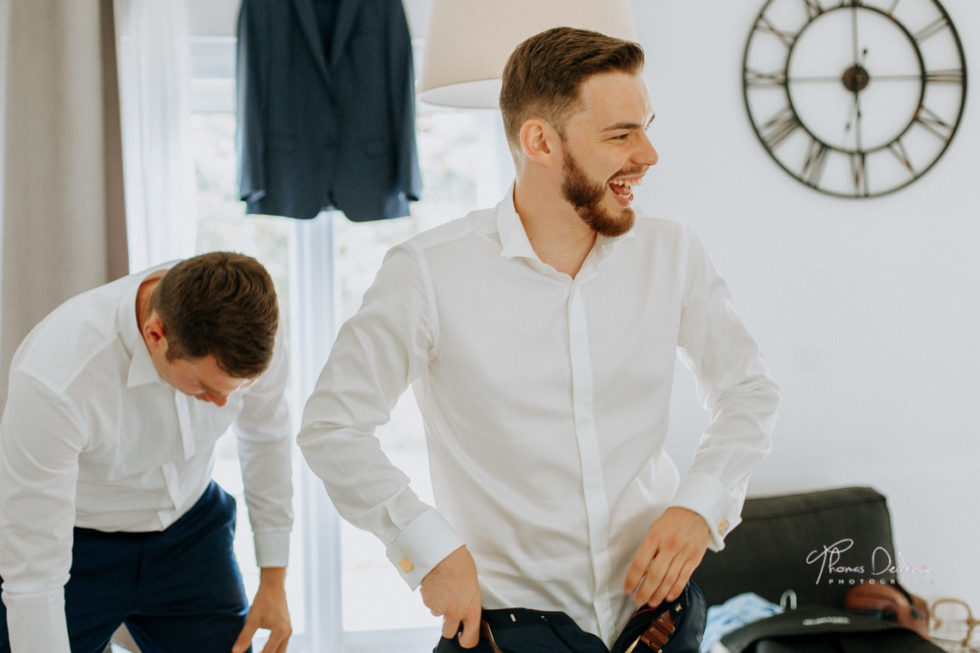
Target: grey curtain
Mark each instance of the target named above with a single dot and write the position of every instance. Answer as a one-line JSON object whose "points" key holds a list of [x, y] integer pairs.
{"points": [[64, 222]]}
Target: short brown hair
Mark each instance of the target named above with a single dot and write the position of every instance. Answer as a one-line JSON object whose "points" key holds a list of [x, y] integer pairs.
{"points": [[543, 74], [220, 303]]}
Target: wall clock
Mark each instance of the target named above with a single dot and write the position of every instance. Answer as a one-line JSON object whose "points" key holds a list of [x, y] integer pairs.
{"points": [[854, 98]]}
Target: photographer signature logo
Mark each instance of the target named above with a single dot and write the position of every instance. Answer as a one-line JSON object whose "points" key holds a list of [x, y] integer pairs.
{"points": [[832, 567]]}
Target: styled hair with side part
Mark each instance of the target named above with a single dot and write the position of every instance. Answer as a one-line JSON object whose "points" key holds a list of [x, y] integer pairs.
{"points": [[543, 75], [222, 304]]}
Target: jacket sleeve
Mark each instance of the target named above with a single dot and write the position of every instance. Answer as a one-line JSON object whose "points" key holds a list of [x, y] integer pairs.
{"points": [[735, 387], [401, 87], [377, 354], [40, 443], [250, 72]]}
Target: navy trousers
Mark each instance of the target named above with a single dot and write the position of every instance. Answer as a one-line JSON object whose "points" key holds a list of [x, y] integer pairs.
{"points": [[520, 630], [176, 590]]}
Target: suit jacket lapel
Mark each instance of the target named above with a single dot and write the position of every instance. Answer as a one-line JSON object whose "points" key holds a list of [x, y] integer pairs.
{"points": [[346, 13], [311, 30]]}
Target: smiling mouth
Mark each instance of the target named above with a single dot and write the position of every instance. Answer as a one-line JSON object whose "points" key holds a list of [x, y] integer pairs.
{"points": [[623, 188]]}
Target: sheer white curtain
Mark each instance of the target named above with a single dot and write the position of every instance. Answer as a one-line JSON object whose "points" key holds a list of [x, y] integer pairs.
{"points": [[154, 81]]}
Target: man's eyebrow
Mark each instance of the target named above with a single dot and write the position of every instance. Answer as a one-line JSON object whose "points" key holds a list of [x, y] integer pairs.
{"points": [[209, 389], [628, 125]]}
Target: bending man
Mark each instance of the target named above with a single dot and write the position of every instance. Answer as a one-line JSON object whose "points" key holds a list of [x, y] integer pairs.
{"points": [[108, 513]]}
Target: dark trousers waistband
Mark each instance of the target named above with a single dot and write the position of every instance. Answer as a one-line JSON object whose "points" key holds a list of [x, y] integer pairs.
{"points": [[522, 617], [523, 629]]}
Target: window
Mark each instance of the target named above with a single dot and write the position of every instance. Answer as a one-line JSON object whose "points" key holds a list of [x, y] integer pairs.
{"points": [[344, 594]]}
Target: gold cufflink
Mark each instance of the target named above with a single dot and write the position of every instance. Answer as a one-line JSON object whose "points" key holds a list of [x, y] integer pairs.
{"points": [[722, 526], [406, 565]]}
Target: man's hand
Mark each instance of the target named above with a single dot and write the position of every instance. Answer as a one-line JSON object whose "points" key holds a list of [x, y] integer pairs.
{"points": [[672, 549], [269, 611], [451, 591]]}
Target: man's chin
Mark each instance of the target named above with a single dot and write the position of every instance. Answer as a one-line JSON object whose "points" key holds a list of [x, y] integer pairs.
{"points": [[612, 227]]}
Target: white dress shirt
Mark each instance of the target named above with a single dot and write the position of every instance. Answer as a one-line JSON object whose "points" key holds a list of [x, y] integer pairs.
{"points": [[545, 401], [93, 437]]}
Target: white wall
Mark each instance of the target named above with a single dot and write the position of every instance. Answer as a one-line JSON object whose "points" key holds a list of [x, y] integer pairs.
{"points": [[868, 310]]}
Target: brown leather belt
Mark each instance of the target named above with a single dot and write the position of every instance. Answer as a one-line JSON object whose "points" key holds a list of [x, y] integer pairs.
{"points": [[657, 634]]}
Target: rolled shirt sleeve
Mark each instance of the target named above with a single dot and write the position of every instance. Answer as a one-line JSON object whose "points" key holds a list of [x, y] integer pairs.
{"points": [[736, 388], [378, 353], [40, 442]]}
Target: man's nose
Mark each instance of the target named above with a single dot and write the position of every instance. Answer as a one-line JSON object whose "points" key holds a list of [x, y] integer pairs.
{"points": [[216, 399], [647, 153]]}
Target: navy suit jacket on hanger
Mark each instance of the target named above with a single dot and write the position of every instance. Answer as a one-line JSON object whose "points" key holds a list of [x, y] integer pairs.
{"points": [[326, 109]]}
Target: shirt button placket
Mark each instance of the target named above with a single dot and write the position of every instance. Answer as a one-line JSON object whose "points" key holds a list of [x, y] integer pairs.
{"points": [[593, 486]]}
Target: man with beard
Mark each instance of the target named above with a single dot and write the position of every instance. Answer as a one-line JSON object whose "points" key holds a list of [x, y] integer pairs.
{"points": [[540, 338]]}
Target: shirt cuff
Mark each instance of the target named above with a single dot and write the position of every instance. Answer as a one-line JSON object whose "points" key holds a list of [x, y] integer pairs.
{"points": [[422, 545], [271, 548], [705, 495], [36, 622]]}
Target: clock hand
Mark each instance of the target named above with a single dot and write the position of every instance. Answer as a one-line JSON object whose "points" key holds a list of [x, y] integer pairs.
{"points": [[855, 79], [854, 119], [857, 118], [851, 118], [857, 97], [854, 33]]}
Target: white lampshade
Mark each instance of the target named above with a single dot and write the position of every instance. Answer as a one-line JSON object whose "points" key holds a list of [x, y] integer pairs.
{"points": [[468, 41]]}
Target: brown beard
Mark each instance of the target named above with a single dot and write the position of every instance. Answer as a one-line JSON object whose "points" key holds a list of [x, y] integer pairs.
{"points": [[586, 197]]}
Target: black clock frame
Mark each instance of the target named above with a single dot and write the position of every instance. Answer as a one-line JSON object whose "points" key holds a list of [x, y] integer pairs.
{"points": [[818, 149]]}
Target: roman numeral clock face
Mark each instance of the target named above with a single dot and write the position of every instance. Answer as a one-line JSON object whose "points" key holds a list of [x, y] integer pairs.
{"points": [[854, 98]]}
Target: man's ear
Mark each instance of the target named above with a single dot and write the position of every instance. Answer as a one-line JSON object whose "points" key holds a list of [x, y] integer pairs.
{"points": [[540, 142], [153, 332]]}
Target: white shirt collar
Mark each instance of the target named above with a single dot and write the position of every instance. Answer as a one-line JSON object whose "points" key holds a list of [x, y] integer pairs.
{"points": [[514, 242], [142, 371]]}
